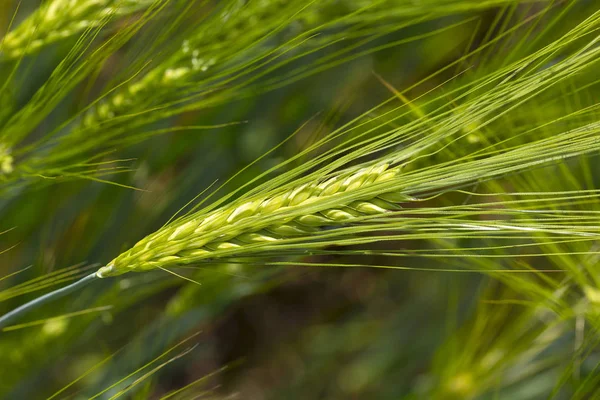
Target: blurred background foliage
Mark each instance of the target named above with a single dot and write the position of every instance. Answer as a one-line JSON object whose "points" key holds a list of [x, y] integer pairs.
{"points": [[263, 331]]}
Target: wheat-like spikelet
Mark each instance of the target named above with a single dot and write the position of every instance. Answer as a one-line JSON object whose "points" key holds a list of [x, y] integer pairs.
{"points": [[260, 220], [235, 35], [59, 19], [196, 55]]}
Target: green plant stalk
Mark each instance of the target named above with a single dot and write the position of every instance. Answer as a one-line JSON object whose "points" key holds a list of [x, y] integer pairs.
{"points": [[18, 312]]}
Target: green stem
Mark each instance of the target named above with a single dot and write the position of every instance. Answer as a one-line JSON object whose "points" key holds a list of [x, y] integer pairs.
{"points": [[19, 311]]}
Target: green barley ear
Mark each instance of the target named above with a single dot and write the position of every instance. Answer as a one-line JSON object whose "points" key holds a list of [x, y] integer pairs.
{"points": [[305, 210], [264, 220], [57, 20], [222, 38]]}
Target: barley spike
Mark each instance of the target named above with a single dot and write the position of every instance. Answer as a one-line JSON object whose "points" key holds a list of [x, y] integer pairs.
{"points": [[232, 227], [60, 19]]}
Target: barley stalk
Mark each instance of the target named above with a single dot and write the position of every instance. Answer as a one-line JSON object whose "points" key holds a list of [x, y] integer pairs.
{"points": [[231, 227], [60, 19]]}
